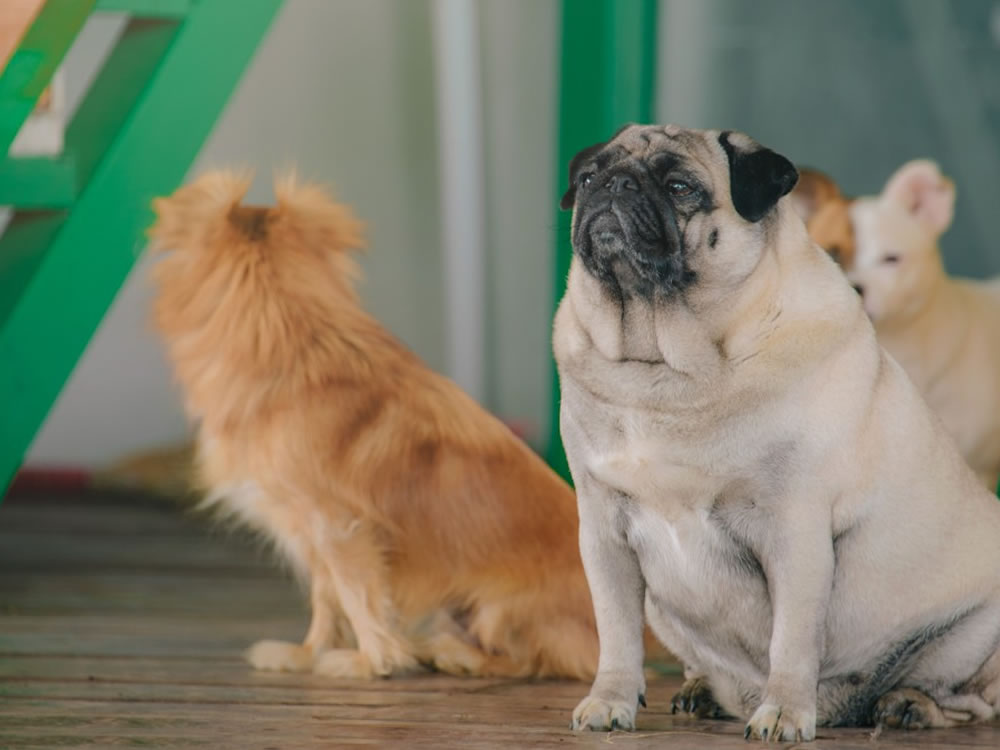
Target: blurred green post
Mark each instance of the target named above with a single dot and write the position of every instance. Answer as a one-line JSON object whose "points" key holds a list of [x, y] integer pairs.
{"points": [[607, 78]]}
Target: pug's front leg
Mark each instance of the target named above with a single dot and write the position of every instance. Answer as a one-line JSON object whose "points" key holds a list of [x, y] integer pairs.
{"points": [[796, 553], [618, 590]]}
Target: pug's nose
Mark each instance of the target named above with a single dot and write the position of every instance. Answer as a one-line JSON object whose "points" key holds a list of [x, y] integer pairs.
{"points": [[620, 182], [859, 289]]}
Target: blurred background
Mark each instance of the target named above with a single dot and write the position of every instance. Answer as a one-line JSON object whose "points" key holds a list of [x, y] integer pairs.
{"points": [[442, 131]]}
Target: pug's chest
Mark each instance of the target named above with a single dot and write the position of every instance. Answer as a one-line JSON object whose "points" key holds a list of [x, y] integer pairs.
{"points": [[706, 594]]}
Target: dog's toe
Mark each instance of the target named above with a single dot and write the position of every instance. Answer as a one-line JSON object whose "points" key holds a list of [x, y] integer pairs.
{"points": [[781, 723], [598, 714], [279, 656], [908, 709], [343, 662], [695, 698]]}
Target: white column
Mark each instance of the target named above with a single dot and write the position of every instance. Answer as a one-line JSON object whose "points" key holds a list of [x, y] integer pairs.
{"points": [[460, 149]]}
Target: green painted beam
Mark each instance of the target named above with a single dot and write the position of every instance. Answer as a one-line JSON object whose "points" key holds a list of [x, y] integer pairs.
{"points": [[51, 322], [148, 8], [35, 59], [115, 91], [22, 246], [607, 78], [55, 182], [38, 182]]}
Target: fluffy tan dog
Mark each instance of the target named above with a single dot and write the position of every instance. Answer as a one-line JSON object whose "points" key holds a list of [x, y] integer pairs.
{"points": [[945, 332], [827, 214], [428, 534]]}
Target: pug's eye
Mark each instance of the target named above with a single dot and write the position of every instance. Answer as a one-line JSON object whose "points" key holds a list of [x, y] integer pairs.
{"points": [[890, 258], [585, 178], [679, 189]]}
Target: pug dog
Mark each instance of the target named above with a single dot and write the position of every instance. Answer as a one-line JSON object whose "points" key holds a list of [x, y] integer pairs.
{"points": [[755, 476]]}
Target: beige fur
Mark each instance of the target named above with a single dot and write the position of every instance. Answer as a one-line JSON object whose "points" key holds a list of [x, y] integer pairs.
{"points": [[754, 474], [427, 533], [944, 331]]}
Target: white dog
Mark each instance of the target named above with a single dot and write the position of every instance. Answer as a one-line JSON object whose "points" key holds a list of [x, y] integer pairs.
{"points": [[945, 332]]}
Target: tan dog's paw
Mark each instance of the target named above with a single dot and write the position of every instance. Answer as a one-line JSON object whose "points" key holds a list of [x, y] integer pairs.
{"points": [[695, 698], [783, 723], [908, 709], [279, 656], [345, 662], [597, 714]]}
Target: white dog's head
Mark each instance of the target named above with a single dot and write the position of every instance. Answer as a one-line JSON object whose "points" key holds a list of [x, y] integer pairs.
{"points": [[897, 258]]}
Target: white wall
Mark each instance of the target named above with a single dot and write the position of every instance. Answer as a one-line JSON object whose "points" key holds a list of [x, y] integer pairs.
{"points": [[344, 89]]}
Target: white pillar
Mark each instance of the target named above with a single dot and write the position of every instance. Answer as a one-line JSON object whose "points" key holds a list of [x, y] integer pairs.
{"points": [[460, 149]]}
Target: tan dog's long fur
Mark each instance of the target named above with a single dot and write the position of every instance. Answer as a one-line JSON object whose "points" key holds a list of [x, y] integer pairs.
{"points": [[428, 533], [756, 477]]}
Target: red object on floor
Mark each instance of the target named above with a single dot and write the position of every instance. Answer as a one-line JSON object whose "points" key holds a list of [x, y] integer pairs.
{"points": [[50, 478]]}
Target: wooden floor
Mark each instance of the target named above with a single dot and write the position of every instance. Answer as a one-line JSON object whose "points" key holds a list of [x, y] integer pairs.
{"points": [[122, 622]]}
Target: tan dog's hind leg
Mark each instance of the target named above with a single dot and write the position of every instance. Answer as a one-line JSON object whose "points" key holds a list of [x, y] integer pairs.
{"points": [[327, 629]]}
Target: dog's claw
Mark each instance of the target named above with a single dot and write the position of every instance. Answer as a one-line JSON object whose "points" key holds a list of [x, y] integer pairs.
{"points": [[746, 732], [642, 700], [763, 734], [614, 724]]}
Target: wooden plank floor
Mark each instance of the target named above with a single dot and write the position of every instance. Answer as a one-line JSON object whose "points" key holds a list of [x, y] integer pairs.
{"points": [[122, 622]]}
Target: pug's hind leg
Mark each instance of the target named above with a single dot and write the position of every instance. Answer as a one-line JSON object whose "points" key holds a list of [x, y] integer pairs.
{"points": [[695, 698], [907, 708]]}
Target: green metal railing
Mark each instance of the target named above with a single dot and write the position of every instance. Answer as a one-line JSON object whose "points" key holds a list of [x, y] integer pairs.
{"points": [[79, 220]]}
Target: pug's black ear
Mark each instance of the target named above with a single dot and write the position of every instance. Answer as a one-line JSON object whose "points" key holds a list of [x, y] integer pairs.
{"points": [[574, 170], [757, 178]]}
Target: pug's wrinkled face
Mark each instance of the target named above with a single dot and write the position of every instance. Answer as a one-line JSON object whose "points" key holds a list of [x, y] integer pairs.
{"points": [[658, 209]]}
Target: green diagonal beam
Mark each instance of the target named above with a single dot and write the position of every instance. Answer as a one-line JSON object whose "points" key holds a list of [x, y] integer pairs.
{"points": [[35, 59], [607, 70], [49, 326]]}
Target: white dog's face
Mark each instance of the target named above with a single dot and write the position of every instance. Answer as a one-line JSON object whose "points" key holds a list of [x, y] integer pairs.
{"points": [[896, 234]]}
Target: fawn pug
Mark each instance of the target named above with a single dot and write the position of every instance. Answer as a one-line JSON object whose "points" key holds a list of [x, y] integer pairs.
{"points": [[429, 535], [755, 476]]}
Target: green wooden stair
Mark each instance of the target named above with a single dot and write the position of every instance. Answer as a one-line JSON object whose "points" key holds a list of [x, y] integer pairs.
{"points": [[79, 218]]}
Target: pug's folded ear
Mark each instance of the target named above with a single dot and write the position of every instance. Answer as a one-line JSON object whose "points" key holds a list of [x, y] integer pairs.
{"points": [[758, 177]]}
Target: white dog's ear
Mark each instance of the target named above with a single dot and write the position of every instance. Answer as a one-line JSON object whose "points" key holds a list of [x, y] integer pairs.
{"points": [[925, 193]]}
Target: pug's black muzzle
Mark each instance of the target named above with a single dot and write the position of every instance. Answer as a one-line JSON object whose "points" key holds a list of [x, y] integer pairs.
{"points": [[627, 236]]}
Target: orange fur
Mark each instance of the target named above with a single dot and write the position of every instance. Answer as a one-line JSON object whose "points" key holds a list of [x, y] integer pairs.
{"points": [[826, 213], [429, 534]]}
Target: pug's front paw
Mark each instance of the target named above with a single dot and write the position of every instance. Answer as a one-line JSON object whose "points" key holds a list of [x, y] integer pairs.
{"points": [[597, 713], [782, 723]]}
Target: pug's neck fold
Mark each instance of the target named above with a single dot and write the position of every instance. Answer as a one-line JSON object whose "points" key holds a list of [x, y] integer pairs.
{"points": [[654, 330], [705, 332]]}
